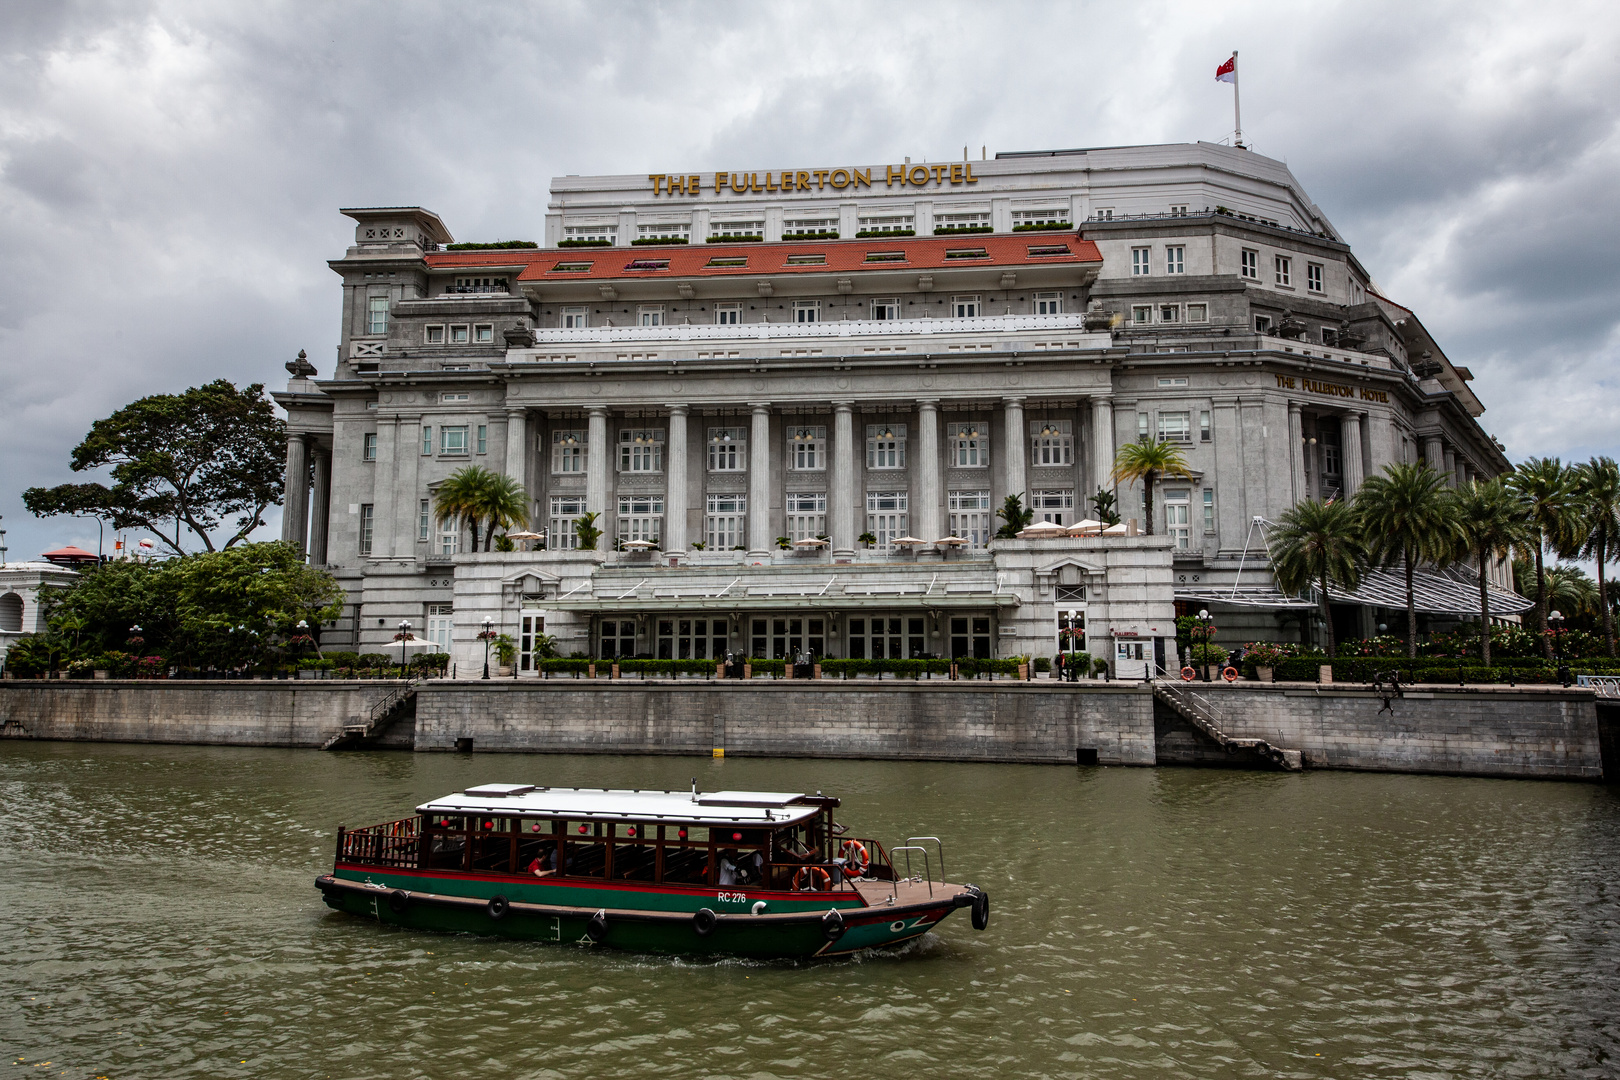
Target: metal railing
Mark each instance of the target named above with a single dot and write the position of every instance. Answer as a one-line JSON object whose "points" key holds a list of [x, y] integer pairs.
{"points": [[840, 328]]}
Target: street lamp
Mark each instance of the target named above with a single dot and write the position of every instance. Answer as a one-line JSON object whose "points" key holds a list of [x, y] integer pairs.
{"points": [[404, 635], [1555, 621], [487, 635], [1205, 622]]}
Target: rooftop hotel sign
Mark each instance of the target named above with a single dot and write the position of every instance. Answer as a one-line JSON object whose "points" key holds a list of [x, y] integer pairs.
{"points": [[749, 183], [1339, 390]]}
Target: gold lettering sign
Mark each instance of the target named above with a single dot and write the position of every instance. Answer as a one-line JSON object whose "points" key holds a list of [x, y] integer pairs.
{"points": [[1312, 386], [814, 179]]}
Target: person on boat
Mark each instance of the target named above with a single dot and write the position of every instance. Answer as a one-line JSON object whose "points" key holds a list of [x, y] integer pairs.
{"points": [[728, 867]]}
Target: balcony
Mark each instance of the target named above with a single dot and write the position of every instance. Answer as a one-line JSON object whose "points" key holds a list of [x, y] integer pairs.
{"points": [[846, 328]]}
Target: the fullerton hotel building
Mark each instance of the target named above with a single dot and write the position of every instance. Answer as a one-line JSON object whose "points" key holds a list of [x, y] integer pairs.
{"points": [[795, 398]]}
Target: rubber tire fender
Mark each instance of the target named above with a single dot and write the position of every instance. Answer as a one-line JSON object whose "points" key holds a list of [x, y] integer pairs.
{"points": [[498, 906], [704, 921], [398, 901], [981, 911], [596, 929], [832, 925]]}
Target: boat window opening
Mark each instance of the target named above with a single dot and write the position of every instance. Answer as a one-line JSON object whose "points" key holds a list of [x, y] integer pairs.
{"points": [[446, 847]]}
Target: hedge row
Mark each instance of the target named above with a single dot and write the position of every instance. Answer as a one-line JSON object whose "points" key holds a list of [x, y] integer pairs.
{"points": [[648, 241], [584, 243], [813, 234], [1044, 226], [1364, 669], [500, 245], [830, 669], [745, 238], [958, 230], [878, 234]]}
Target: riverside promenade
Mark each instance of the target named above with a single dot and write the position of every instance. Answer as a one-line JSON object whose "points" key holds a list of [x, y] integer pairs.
{"points": [[1542, 732]]}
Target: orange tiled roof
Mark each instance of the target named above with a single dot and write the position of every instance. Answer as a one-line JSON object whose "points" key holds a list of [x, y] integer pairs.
{"points": [[842, 256]]}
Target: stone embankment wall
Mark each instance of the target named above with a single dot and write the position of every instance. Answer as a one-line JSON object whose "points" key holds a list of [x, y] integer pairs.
{"points": [[1538, 731]]}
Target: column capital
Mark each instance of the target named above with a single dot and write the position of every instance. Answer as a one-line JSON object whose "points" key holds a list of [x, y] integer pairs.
{"points": [[1294, 406], [517, 410], [1019, 401], [843, 406], [679, 410], [928, 403], [599, 410], [758, 407]]}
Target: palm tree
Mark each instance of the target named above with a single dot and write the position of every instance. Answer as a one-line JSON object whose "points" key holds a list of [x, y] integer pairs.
{"points": [[1490, 521], [1016, 517], [1569, 590], [1147, 461], [1600, 486], [502, 502], [1406, 517], [459, 498], [1315, 543], [587, 532], [1546, 489]]}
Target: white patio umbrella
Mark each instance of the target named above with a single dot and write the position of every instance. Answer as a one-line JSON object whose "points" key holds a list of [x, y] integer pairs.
{"points": [[907, 541], [810, 542], [949, 541], [1117, 530], [638, 545], [1085, 527], [1043, 530], [525, 536]]}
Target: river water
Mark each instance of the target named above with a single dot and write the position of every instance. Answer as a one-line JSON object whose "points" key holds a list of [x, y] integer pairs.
{"points": [[160, 921]]}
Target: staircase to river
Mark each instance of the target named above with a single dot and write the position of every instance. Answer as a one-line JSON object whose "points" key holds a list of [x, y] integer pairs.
{"points": [[397, 703], [1197, 707]]}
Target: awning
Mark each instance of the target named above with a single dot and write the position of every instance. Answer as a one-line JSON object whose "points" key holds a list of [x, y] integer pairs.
{"points": [[1452, 591], [1259, 597]]}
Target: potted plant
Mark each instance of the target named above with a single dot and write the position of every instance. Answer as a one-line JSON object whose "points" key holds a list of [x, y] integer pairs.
{"points": [[867, 538], [1264, 655]]}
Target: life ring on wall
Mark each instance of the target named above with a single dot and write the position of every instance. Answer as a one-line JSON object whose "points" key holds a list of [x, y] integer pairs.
{"points": [[1229, 673], [1188, 674], [807, 878], [855, 855]]}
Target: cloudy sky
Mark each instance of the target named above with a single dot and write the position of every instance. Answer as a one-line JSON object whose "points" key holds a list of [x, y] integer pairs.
{"points": [[170, 173]]}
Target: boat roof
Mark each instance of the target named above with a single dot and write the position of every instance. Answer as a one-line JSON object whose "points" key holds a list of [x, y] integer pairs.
{"points": [[773, 809]]}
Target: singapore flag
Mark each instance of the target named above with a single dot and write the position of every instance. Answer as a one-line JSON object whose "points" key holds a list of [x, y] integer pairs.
{"points": [[1227, 72]]}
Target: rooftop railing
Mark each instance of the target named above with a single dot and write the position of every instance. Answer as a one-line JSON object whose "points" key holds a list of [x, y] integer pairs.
{"points": [[843, 328]]}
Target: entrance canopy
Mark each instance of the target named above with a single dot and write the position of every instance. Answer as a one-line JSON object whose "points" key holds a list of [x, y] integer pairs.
{"points": [[1435, 592]]}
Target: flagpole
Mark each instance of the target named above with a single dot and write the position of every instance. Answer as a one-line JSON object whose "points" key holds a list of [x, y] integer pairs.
{"points": [[1237, 107]]}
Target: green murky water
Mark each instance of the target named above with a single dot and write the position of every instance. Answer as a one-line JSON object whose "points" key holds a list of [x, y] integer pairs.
{"points": [[159, 921]]}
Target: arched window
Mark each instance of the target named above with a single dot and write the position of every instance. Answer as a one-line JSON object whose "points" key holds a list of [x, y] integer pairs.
{"points": [[11, 612]]}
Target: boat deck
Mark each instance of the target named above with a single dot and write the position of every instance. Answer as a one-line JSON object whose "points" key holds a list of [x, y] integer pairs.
{"points": [[877, 893]]}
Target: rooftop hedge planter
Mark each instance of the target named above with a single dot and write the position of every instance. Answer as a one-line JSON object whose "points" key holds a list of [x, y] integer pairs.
{"points": [[648, 241], [824, 234], [499, 245], [584, 243], [958, 230], [1044, 226], [873, 234], [744, 239]]}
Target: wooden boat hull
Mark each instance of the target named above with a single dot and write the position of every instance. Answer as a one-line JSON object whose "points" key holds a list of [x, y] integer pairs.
{"points": [[653, 919]]}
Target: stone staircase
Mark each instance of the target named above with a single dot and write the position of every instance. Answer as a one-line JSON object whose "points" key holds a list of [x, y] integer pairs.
{"points": [[398, 702], [1198, 709]]}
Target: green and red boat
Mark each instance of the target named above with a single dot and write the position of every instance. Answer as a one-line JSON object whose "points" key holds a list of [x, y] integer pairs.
{"points": [[749, 873]]}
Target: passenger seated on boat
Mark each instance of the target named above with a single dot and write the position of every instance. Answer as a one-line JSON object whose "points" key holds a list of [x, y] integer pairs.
{"points": [[751, 868], [728, 868]]}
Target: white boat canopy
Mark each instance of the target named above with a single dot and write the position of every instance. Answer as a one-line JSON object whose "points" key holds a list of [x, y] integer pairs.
{"points": [[769, 809]]}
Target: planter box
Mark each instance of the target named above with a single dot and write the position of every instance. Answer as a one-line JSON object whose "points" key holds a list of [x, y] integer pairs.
{"points": [[1324, 673], [1264, 674], [102, 673]]}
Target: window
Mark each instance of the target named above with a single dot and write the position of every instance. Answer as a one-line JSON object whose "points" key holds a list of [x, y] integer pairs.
{"points": [[647, 264], [1178, 209], [368, 447], [427, 439], [433, 335], [453, 440], [1052, 216], [598, 234], [568, 451], [1141, 261], [806, 260], [1048, 303], [887, 223], [895, 637], [1175, 259], [727, 314], [979, 220], [806, 514], [692, 639], [729, 262], [725, 524], [1169, 313], [1198, 313], [1262, 324], [449, 535], [807, 447], [571, 268], [885, 446], [1141, 314], [458, 335], [1051, 442], [969, 445], [441, 624], [728, 450], [1330, 336], [377, 315], [810, 225], [1103, 213], [1172, 381], [785, 637], [806, 311], [886, 517], [1332, 456], [641, 517], [641, 450], [965, 307], [1203, 426], [424, 520], [483, 438], [885, 309], [1313, 277], [1141, 427], [1040, 250], [755, 227], [1251, 264], [1054, 505], [650, 314], [671, 231], [531, 625], [565, 510], [885, 256], [367, 520], [455, 397], [1175, 427], [1177, 511], [967, 253], [1209, 510], [618, 639], [1285, 271], [575, 318], [969, 516], [483, 333]]}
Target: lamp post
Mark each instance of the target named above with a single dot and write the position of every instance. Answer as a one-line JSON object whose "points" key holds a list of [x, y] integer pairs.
{"points": [[404, 634], [487, 635], [1204, 622], [1555, 621]]}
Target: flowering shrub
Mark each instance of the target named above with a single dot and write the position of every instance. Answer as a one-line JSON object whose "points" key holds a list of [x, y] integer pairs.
{"points": [[1268, 653], [150, 667]]}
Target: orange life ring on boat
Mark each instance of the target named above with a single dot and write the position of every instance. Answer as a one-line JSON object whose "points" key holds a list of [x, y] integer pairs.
{"points": [[1188, 674], [807, 876], [1230, 673], [856, 856]]}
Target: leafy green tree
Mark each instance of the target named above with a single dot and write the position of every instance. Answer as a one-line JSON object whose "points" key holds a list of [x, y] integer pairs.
{"points": [[1569, 591], [587, 532], [1600, 523], [1103, 504], [179, 462], [1147, 462], [1547, 489], [1407, 518], [502, 502], [1490, 521], [1315, 543], [1016, 519], [460, 498]]}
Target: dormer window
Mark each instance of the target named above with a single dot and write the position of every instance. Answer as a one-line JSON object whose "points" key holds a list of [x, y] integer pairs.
{"points": [[967, 253], [885, 256], [648, 264]]}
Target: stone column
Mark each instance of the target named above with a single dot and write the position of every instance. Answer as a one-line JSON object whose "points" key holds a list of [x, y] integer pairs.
{"points": [[1350, 445], [1102, 447], [675, 496], [759, 483], [295, 498], [927, 500], [320, 505], [598, 467], [1451, 466], [407, 466], [1434, 453], [1296, 450], [1014, 438], [841, 494], [517, 446], [384, 484]]}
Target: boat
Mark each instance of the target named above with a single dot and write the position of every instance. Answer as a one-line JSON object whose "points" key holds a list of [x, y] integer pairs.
{"points": [[744, 873]]}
